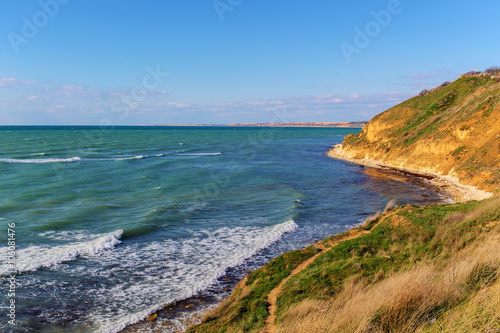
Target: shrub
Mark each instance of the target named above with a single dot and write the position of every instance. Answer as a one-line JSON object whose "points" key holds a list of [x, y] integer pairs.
{"points": [[445, 83], [423, 92], [492, 70]]}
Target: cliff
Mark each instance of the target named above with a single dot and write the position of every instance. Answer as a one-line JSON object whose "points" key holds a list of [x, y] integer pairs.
{"points": [[451, 130]]}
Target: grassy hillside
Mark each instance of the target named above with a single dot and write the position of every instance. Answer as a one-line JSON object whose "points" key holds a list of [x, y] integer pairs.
{"points": [[427, 269], [409, 269], [451, 130]]}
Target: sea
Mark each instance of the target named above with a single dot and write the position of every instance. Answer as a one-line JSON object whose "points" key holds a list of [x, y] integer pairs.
{"points": [[102, 227]]}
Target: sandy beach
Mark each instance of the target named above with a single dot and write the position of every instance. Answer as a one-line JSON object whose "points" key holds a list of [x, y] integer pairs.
{"points": [[450, 184]]}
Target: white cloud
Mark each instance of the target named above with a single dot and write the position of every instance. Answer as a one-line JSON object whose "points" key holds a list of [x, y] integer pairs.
{"points": [[42, 102], [7, 82]]}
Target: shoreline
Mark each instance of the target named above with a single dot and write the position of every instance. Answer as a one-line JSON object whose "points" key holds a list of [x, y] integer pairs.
{"points": [[450, 184], [188, 312], [181, 314]]}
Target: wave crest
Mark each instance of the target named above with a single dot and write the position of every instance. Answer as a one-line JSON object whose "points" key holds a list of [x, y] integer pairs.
{"points": [[36, 257], [40, 160], [199, 154], [209, 252]]}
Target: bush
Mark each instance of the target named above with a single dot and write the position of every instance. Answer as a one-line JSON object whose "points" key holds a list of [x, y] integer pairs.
{"points": [[492, 70], [445, 83], [423, 92]]}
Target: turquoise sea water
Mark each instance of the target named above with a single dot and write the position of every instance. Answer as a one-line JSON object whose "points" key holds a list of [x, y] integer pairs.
{"points": [[112, 225]]}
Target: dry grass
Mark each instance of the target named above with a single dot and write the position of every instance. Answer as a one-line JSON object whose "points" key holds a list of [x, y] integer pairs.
{"points": [[390, 206], [358, 305], [372, 219], [491, 205], [459, 294], [480, 314], [454, 241], [480, 271]]}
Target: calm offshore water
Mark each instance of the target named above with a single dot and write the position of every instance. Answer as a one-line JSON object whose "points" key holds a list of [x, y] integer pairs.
{"points": [[113, 225]]}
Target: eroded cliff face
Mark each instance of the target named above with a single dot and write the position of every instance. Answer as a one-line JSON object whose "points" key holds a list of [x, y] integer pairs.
{"points": [[452, 130]]}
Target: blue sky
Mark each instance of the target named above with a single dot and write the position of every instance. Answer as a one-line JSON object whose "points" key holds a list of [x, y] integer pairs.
{"points": [[224, 61]]}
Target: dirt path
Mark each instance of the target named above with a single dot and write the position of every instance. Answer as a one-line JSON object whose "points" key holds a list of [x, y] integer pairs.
{"points": [[272, 297]]}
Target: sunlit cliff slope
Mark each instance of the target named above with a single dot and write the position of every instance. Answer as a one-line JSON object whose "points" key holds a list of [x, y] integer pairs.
{"points": [[452, 130]]}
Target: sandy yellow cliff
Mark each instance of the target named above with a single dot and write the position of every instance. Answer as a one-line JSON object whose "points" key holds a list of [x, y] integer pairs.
{"points": [[452, 130]]}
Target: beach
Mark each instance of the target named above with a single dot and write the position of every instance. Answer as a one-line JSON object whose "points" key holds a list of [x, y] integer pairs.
{"points": [[451, 184]]}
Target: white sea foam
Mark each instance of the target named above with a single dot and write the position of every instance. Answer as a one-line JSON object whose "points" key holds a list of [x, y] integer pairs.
{"points": [[73, 159], [40, 160], [138, 157], [200, 154], [177, 269], [137, 279], [35, 257], [67, 235]]}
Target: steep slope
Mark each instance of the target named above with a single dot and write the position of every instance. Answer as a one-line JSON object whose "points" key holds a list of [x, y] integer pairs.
{"points": [[451, 130], [424, 269]]}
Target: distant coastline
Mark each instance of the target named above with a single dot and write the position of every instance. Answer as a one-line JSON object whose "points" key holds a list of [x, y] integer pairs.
{"points": [[294, 124]]}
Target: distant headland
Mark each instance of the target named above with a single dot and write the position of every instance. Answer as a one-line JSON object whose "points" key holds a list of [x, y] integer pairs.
{"points": [[295, 124]]}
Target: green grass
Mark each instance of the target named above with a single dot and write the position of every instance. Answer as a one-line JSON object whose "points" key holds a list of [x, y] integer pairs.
{"points": [[250, 312], [430, 234], [421, 240], [459, 115], [432, 109]]}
